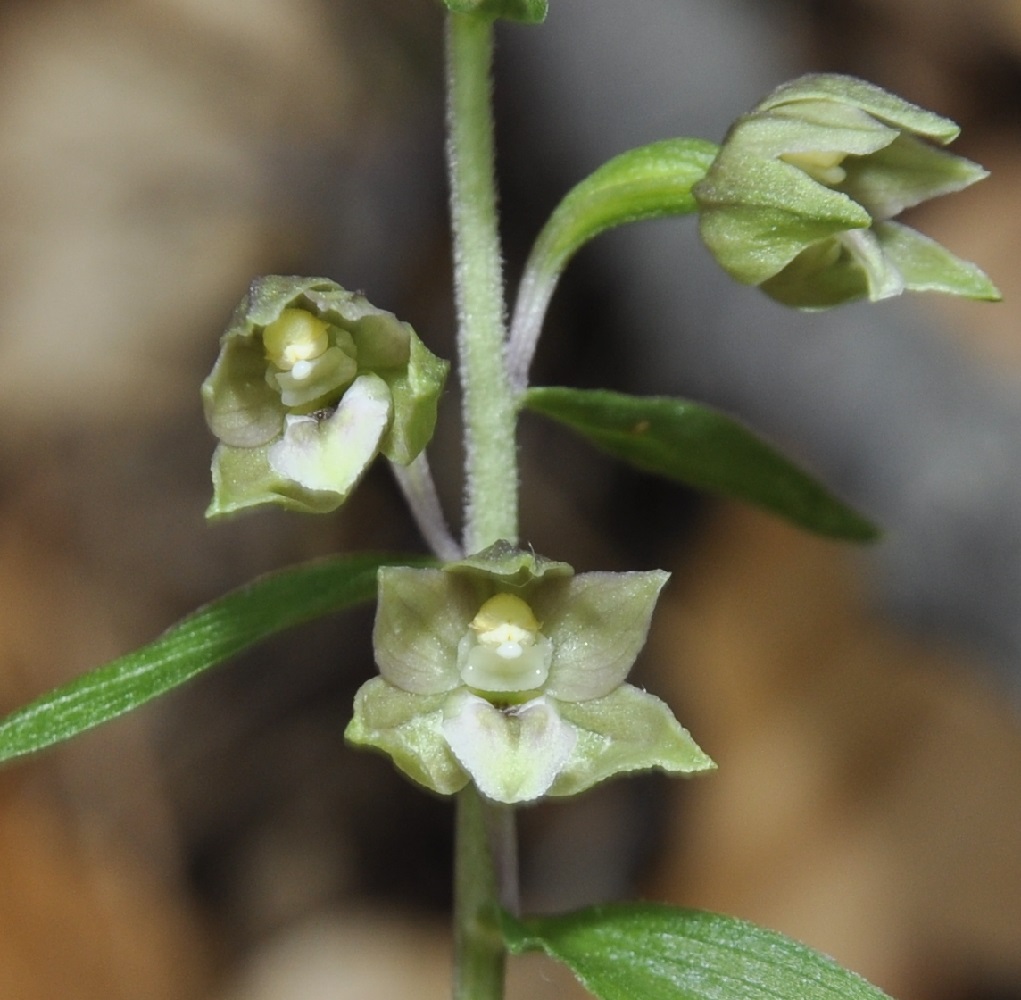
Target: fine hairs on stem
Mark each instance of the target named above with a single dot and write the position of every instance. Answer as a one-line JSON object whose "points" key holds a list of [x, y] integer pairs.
{"points": [[484, 851]]}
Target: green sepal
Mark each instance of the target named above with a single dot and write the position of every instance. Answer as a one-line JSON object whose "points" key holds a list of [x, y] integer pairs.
{"points": [[906, 173], [926, 266], [416, 392], [625, 951], [649, 182], [511, 567], [407, 728], [701, 447], [205, 638], [849, 91], [757, 215], [625, 731], [335, 454], [524, 11], [852, 266]]}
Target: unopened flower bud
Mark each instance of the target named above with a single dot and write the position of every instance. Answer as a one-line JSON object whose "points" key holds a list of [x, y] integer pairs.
{"points": [[801, 196]]}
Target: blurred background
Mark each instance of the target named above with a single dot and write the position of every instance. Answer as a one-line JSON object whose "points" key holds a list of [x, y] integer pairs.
{"points": [[863, 706]]}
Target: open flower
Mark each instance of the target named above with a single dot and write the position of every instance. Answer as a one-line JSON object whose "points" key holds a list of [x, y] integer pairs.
{"points": [[508, 670], [800, 197], [312, 382]]}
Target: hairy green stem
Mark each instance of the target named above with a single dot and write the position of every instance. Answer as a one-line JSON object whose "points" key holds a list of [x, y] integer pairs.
{"points": [[485, 875], [489, 410], [485, 839]]}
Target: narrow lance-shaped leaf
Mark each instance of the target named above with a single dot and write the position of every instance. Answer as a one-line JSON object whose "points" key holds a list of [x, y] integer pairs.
{"points": [[202, 640], [630, 951], [701, 447]]}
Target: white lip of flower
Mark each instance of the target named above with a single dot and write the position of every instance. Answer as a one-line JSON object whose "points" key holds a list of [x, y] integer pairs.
{"points": [[513, 753], [503, 651], [329, 453]]}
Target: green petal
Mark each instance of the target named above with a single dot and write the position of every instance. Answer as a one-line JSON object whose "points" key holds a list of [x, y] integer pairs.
{"points": [[628, 730], [809, 127], [848, 90], [598, 623], [928, 267], [904, 174], [407, 728], [882, 279], [416, 391], [240, 406], [821, 276], [421, 617]]}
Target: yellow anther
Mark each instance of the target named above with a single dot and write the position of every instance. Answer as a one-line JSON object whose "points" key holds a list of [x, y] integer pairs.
{"points": [[505, 618], [295, 337]]}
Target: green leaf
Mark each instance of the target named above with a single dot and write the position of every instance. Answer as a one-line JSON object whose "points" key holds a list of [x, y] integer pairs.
{"points": [[650, 182], [648, 952], [526, 11], [701, 447], [205, 638]]}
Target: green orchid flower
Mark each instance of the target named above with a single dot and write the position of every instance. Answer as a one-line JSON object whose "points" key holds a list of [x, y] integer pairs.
{"points": [[311, 383], [508, 670]]}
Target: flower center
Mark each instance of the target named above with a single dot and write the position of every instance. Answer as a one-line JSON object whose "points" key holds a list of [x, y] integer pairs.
{"points": [[294, 338], [308, 370], [821, 166], [504, 652]]}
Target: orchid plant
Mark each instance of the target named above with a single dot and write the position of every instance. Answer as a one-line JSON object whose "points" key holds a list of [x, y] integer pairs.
{"points": [[502, 673]]}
